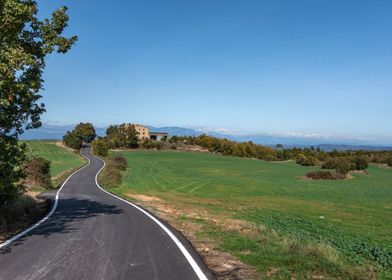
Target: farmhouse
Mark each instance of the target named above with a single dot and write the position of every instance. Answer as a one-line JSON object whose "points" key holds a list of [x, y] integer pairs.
{"points": [[144, 133]]}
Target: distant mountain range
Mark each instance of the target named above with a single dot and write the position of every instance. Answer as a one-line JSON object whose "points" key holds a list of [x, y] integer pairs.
{"points": [[56, 132]]}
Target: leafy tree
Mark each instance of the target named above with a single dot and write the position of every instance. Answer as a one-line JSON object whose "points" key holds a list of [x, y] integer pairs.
{"points": [[124, 135], [83, 132], [25, 42], [361, 163], [86, 131]]}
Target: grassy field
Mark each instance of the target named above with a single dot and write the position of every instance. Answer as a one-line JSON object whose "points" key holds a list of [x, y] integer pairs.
{"points": [[61, 158], [306, 229]]}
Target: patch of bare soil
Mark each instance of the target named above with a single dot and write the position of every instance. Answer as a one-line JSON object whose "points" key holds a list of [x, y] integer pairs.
{"points": [[224, 265]]}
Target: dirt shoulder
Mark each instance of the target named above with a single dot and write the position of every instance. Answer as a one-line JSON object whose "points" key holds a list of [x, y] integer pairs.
{"points": [[224, 265]]}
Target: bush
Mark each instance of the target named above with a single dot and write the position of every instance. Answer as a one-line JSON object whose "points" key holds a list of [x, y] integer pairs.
{"points": [[38, 173], [390, 162], [120, 163], [361, 163], [100, 147], [343, 166], [307, 160], [324, 175], [111, 175]]}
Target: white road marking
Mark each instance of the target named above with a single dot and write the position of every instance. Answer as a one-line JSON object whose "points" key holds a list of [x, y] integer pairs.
{"points": [[19, 235], [183, 250]]}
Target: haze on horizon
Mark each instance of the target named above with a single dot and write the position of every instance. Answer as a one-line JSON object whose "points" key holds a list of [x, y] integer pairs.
{"points": [[307, 67]]}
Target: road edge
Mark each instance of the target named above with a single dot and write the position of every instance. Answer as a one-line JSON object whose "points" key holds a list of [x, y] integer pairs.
{"points": [[54, 207], [196, 268]]}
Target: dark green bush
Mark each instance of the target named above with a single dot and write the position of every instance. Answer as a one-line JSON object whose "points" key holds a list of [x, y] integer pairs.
{"points": [[361, 163], [38, 173]]}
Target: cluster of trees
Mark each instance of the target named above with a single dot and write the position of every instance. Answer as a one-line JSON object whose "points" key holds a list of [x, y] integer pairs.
{"points": [[25, 43], [117, 136], [229, 148], [83, 132], [341, 161]]}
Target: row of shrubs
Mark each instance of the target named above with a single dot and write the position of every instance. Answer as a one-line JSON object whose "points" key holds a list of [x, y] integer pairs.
{"points": [[112, 174]]}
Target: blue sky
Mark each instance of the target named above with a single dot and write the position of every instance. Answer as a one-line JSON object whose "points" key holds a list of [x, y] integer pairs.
{"points": [[316, 66]]}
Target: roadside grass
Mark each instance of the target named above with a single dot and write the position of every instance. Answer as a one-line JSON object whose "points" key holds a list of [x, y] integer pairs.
{"points": [[28, 209], [326, 229], [63, 160]]}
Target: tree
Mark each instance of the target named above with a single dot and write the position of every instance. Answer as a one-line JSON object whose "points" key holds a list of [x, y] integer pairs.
{"points": [[100, 147], [124, 135], [25, 42], [83, 132], [361, 163]]}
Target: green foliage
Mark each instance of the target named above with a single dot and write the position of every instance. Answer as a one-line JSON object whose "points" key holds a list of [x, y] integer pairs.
{"points": [[122, 136], [111, 176], [151, 144], [361, 163], [83, 132], [38, 173], [25, 42], [12, 157], [72, 140], [307, 160], [100, 147], [61, 159]]}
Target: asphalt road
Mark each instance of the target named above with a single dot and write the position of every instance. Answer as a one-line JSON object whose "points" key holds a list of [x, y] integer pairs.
{"points": [[93, 235]]}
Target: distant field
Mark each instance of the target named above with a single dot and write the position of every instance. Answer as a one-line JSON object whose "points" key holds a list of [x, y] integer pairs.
{"points": [[354, 216], [61, 158]]}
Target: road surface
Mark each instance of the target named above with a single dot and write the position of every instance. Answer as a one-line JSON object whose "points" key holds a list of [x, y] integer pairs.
{"points": [[94, 235]]}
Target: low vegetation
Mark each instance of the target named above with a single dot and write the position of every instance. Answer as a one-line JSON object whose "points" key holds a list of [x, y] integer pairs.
{"points": [[47, 164], [288, 227], [112, 174], [38, 173]]}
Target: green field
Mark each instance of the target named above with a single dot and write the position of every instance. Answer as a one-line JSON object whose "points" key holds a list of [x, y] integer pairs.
{"points": [[352, 216], [61, 158]]}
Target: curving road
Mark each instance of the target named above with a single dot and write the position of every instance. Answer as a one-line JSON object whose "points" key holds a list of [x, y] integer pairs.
{"points": [[94, 235]]}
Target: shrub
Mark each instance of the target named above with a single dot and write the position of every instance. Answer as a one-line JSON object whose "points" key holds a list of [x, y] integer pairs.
{"points": [[324, 175], [100, 147], [361, 163], [110, 176], [38, 173], [343, 166], [307, 160], [390, 162], [120, 163]]}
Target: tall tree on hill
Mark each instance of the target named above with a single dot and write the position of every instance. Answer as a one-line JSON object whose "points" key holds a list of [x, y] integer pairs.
{"points": [[123, 135], [25, 42], [83, 132]]}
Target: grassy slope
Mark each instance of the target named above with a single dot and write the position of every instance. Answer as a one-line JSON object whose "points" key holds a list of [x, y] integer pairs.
{"points": [[61, 158], [355, 215]]}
